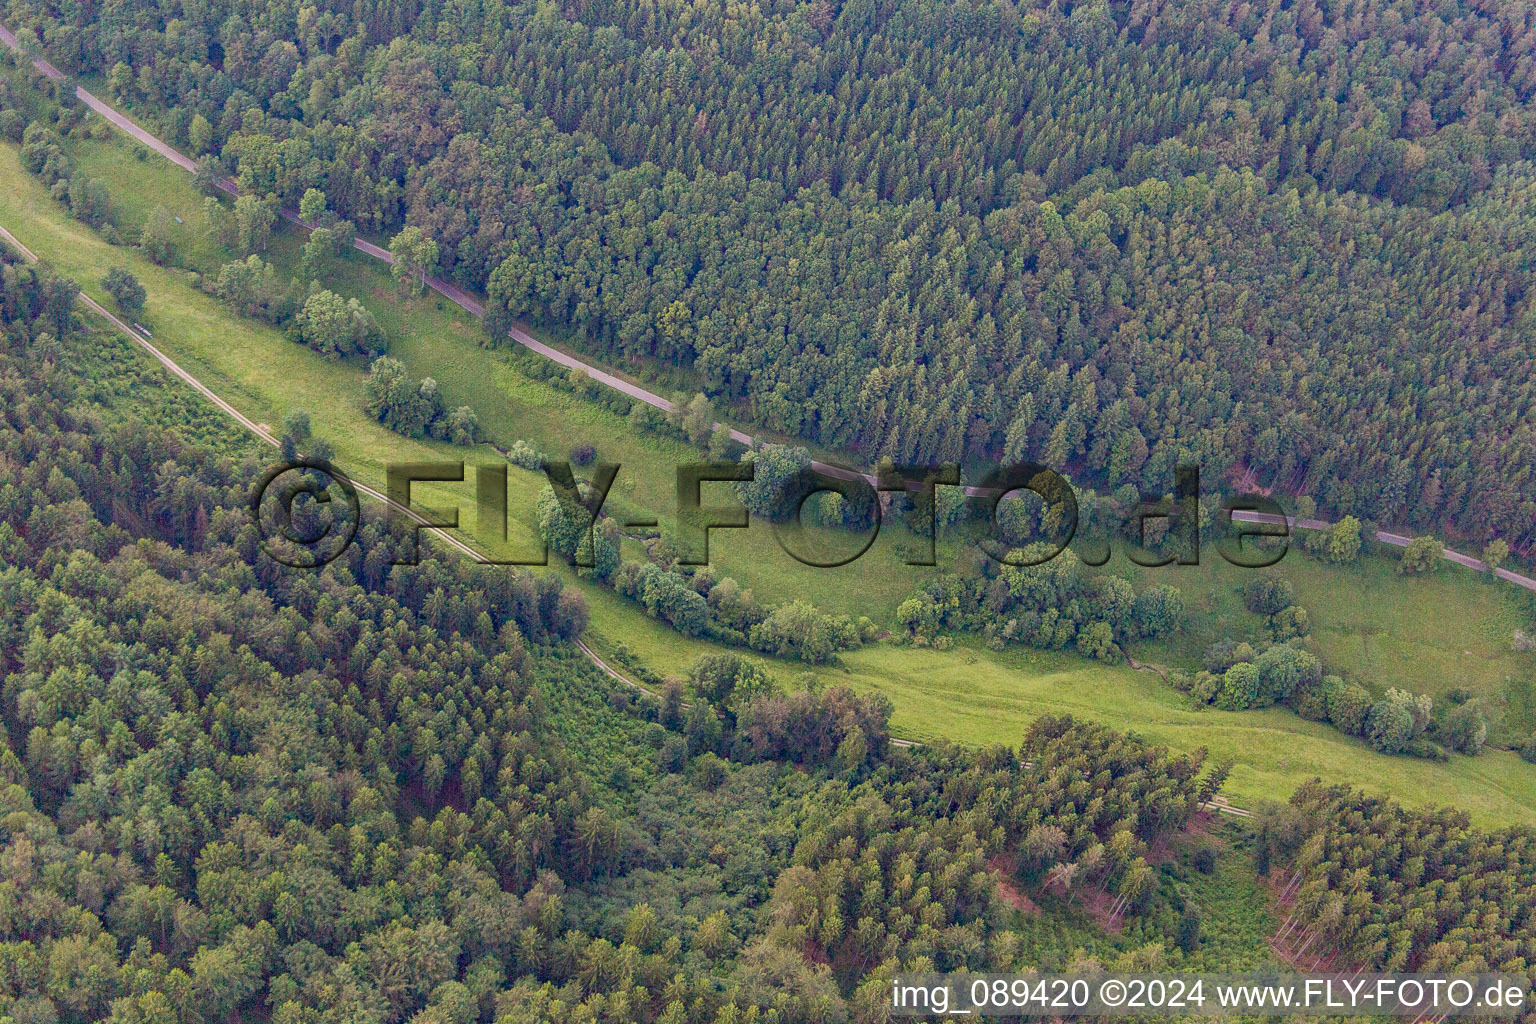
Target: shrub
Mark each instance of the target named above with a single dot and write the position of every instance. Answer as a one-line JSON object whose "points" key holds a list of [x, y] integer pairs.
{"points": [[583, 454], [337, 327], [665, 594], [89, 201], [673, 756], [1282, 669], [917, 613], [1205, 686], [525, 455], [1312, 702], [251, 286], [1097, 641], [402, 404], [1397, 720], [1465, 729], [810, 726], [708, 771], [775, 467], [1495, 552], [1157, 611], [1268, 594], [1348, 708], [1188, 939], [462, 426], [12, 125], [1239, 687], [156, 237], [797, 629], [1289, 623], [728, 681], [1389, 727], [126, 291], [1423, 554], [1343, 541], [1225, 653]]}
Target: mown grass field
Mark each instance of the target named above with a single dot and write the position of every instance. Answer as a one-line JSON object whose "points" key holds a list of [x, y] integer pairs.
{"points": [[975, 695], [1446, 630], [969, 694]]}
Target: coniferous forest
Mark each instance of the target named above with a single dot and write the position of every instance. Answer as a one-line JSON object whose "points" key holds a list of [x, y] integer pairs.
{"points": [[1291, 241], [388, 793], [385, 793], [1287, 239]]}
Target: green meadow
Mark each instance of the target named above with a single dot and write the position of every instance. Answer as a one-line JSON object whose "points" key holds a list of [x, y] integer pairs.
{"points": [[1429, 634], [1447, 630]]}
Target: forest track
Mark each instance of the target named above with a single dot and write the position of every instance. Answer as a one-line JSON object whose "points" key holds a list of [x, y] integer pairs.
{"points": [[265, 434], [259, 429], [471, 305]]}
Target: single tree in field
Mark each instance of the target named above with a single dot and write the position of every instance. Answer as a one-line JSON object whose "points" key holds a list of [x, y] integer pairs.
{"points": [[155, 239], [414, 254], [1422, 554], [125, 291]]}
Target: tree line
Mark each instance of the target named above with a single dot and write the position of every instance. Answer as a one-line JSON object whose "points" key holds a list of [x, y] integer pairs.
{"points": [[1100, 235], [1370, 884], [387, 793]]}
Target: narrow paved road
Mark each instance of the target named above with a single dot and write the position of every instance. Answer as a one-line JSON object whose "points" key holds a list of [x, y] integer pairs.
{"points": [[471, 305], [1394, 539], [267, 436]]}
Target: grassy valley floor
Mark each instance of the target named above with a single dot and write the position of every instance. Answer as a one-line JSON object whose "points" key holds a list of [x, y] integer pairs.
{"points": [[1409, 632]]}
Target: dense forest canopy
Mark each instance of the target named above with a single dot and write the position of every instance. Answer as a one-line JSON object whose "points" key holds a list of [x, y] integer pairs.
{"points": [[1289, 239], [378, 794], [1392, 889]]}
